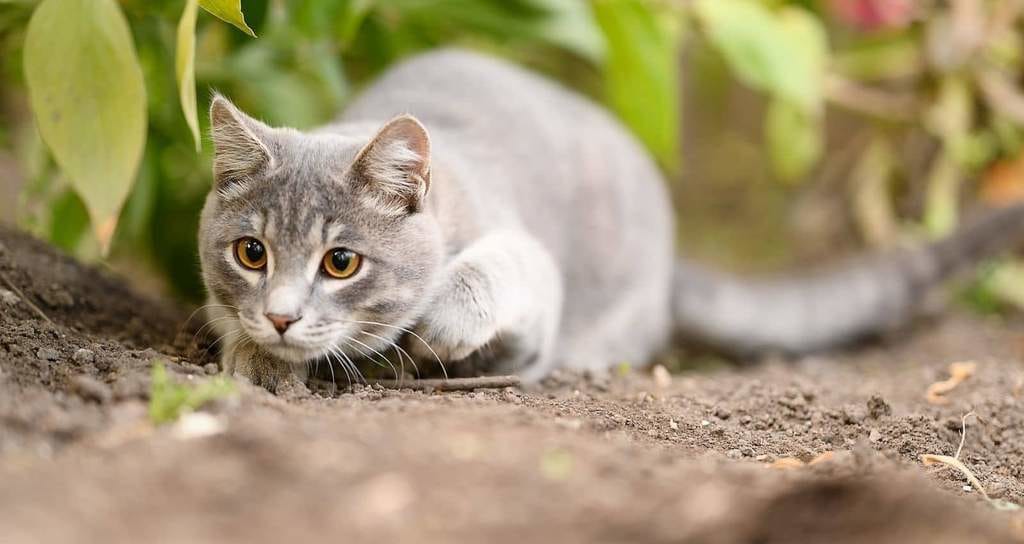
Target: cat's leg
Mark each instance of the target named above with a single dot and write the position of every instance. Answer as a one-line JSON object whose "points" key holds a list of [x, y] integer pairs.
{"points": [[246, 360], [505, 286]]}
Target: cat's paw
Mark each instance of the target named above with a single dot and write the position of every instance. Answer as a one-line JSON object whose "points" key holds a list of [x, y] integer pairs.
{"points": [[459, 323]]}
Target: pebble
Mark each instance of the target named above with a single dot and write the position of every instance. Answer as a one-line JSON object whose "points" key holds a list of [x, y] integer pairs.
{"points": [[91, 389], [673, 425], [211, 368], [722, 413], [8, 297], [734, 454], [198, 425], [662, 378], [874, 435], [84, 356], [48, 354]]}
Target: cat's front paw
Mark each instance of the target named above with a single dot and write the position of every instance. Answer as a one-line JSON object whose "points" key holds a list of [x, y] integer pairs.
{"points": [[459, 323], [257, 367]]}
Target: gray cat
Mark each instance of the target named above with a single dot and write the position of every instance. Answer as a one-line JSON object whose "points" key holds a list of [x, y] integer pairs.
{"points": [[472, 211]]}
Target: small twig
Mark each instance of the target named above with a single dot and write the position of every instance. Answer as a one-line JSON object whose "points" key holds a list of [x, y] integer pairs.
{"points": [[963, 433], [888, 105], [26, 299], [450, 384]]}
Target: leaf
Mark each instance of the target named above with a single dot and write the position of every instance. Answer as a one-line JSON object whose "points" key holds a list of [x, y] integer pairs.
{"points": [[86, 90], [185, 68], [794, 139], [229, 11], [570, 24], [642, 73], [782, 51]]}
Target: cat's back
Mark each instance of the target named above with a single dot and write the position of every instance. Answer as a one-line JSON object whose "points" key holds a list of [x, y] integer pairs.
{"points": [[529, 141]]}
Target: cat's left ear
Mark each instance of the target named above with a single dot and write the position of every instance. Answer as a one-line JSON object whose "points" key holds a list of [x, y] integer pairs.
{"points": [[240, 152], [394, 168]]}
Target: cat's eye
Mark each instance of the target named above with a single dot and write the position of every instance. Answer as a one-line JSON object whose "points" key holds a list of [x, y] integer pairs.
{"points": [[341, 263], [251, 253]]}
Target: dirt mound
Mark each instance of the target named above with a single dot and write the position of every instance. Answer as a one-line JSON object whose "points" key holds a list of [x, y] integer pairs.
{"points": [[617, 458]]}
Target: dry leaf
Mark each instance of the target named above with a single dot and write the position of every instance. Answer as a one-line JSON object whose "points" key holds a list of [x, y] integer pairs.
{"points": [[1003, 182], [958, 372]]}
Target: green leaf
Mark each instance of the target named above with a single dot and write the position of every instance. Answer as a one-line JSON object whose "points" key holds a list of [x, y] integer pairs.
{"points": [[229, 11], [570, 24], [87, 92], [781, 51], [642, 72], [185, 68], [794, 139]]}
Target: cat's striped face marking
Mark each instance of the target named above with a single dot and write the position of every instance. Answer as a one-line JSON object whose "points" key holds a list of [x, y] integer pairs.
{"points": [[317, 257]]}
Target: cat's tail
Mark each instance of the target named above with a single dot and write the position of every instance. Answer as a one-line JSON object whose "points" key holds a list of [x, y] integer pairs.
{"points": [[862, 298]]}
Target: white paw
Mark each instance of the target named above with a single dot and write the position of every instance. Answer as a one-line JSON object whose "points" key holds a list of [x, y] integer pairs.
{"points": [[458, 324]]}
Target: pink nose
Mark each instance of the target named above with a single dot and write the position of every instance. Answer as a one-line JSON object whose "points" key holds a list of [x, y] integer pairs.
{"points": [[282, 322]]}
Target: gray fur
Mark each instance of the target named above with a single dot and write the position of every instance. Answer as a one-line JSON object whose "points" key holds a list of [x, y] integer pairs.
{"points": [[528, 230]]}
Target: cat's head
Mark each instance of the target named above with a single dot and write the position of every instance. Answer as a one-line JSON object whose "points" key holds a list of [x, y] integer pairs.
{"points": [[318, 242]]}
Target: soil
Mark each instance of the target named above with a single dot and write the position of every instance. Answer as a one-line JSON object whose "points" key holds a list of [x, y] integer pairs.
{"points": [[626, 457]]}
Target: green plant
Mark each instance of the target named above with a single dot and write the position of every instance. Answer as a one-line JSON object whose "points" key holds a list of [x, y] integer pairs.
{"points": [[169, 400], [928, 91]]}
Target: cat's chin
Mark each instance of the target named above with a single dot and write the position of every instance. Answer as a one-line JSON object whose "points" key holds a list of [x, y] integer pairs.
{"points": [[293, 354]]}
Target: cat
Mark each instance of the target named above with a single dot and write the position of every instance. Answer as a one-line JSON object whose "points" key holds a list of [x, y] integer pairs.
{"points": [[475, 212]]}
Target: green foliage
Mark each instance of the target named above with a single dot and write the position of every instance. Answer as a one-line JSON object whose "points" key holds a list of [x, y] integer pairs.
{"points": [[641, 72], [782, 52], [169, 400], [87, 92], [117, 89], [229, 11], [185, 67]]}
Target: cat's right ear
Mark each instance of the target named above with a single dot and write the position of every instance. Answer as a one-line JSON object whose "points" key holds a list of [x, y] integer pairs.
{"points": [[239, 150]]}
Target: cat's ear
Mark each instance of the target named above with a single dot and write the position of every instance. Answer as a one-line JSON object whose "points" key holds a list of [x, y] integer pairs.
{"points": [[239, 150], [394, 168]]}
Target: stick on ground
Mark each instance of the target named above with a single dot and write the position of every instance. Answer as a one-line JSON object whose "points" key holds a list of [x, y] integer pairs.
{"points": [[450, 384]]}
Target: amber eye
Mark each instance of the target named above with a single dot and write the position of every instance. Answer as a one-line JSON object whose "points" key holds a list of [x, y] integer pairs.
{"points": [[341, 263], [251, 253]]}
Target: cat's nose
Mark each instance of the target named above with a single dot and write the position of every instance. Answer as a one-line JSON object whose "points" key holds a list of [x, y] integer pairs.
{"points": [[282, 322]]}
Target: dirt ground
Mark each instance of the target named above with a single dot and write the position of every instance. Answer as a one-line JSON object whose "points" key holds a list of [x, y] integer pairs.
{"points": [[616, 458]]}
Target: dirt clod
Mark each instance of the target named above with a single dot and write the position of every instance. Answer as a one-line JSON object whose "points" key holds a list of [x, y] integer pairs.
{"points": [[91, 389], [877, 407], [84, 356], [47, 354], [8, 297]]}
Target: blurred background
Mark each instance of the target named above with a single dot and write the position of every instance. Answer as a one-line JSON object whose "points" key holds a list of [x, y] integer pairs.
{"points": [[791, 131]]}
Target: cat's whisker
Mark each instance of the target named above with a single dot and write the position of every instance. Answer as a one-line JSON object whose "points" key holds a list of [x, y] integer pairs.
{"points": [[201, 308], [405, 330], [352, 365], [379, 354], [225, 335], [208, 323], [399, 351], [330, 365]]}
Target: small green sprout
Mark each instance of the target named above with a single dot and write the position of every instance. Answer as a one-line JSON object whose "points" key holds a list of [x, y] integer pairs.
{"points": [[169, 400]]}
